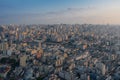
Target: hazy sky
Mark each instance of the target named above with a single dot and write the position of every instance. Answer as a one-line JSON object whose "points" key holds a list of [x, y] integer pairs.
{"points": [[59, 11]]}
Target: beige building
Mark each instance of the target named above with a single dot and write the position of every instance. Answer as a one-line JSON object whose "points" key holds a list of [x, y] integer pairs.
{"points": [[23, 60]]}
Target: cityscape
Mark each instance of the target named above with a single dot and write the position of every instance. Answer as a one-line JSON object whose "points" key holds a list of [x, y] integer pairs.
{"points": [[59, 40], [60, 52]]}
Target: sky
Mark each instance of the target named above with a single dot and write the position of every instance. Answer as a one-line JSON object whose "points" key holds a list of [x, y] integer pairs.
{"points": [[59, 11]]}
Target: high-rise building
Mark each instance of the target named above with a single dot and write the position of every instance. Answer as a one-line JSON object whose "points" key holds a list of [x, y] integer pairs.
{"points": [[23, 60], [101, 67], [4, 47], [117, 47]]}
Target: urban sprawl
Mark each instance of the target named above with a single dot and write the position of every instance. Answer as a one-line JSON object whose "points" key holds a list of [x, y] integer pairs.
{"points": [[60, 52]]}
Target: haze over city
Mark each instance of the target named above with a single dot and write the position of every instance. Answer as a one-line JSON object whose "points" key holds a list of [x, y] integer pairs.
{"points": [[59, 11], [59, 39]]}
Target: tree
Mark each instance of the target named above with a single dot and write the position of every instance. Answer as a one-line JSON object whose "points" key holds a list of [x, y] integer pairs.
{"points": [[39, 78]]}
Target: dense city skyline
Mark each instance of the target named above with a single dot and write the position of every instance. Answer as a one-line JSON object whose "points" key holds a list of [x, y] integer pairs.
{"points": [[60, 52], [62, 11]]}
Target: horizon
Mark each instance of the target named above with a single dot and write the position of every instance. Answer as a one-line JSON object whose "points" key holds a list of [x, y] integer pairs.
{"points": [[65, 24], [57, 12]]}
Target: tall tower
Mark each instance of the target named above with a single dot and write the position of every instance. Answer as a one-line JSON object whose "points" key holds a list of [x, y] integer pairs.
{"points": [[4, 47], [39, 45], [117, 46], [23, 60]]}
